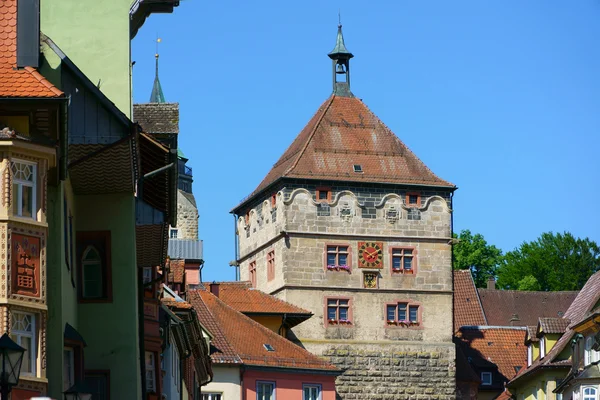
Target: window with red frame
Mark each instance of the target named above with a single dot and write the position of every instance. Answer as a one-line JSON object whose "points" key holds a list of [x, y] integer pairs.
{"points": [[271, 265], [402, 313], [338, 311], [413, 199], [403, 260], [323, 194], [252, 269], [337, 257], [273, 199]]}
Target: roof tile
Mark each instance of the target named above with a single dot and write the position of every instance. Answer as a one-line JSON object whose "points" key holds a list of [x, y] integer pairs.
{"points": [[554, 325], [467, 308], [26, 82]]}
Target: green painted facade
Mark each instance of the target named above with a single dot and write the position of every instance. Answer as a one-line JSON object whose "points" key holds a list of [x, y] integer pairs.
{"points": [[95, 35]]}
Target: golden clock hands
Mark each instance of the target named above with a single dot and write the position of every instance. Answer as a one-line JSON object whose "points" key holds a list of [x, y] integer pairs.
{"points": [[372, 254]]}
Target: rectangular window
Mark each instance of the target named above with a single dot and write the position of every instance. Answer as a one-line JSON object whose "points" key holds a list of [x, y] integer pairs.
{"points": [[271, 265], [311, 392], [486, 378], [24, 188], [542, 347], [529, 354], [413, 199], [274, 200], [338, 257], [252, 270], [68, 368], [265, 390], [323, 194], [212, 396], [403, 260], [590, 393], [150, 372], [173, 233], [23, 332], [147, 277], [403, 314], [94, 266], [338, 311], [98, 382]]}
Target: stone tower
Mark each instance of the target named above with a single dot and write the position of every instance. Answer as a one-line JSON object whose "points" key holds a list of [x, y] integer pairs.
{"points": [[350, 224]]}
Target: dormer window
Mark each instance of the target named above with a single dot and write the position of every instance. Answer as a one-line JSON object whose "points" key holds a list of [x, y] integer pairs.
{"points": [[542, 347], [486, 378], [24, 188], [529, 354], [358, 168]]}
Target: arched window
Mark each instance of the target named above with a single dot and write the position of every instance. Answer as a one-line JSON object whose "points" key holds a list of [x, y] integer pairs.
{"points": [[92, 274], [588, 350], [590, 393]]}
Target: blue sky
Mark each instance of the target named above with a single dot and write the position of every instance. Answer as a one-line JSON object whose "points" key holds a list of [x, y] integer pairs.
{"points": [[500, 98]]}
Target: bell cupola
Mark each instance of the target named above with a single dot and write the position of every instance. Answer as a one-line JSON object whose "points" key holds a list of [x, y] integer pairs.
{"points": [[340, 57]]}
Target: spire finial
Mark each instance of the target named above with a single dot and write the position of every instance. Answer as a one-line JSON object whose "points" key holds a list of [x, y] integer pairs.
{"points": [[339, 17], [157, 95]]}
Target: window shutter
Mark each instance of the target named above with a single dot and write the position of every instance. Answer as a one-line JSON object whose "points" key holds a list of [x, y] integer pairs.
{"points": [[28, 33]]}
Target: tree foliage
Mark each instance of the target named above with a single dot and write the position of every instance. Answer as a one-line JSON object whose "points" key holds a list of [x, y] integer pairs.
{"points": [[474, 253], [552, 262]]}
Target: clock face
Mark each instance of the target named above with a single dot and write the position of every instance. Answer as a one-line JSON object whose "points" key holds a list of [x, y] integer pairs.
{"points": [[370, 254]]}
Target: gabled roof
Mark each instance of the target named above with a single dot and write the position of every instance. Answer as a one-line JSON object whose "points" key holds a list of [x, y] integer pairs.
{"points": [[532, 334], [344, 133], [247, 339], [553, 325], [502, 346], [585, 301], [467, 307], [26, 82], [157, 118], [521, 308]]}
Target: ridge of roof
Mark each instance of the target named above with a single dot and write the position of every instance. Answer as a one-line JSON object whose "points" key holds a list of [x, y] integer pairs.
{"points": [[343, 132], [247, 338], [18, 82]]}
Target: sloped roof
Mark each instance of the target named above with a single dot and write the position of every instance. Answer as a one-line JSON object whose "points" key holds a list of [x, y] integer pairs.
{"points": [[585, 301], [161, 118], [500, 306], [553, 325], [532, 333], [503, 346], [467, 307], [185, 248], [246, 338], [342, 133], [177, 268], [26, 82], [242, 297]]}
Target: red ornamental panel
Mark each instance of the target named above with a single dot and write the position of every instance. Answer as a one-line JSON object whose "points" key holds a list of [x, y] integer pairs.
{"points": [[25, 268]]}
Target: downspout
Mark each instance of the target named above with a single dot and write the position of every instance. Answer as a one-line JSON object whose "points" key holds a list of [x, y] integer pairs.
{"points": [[237, 247], [140, 285]]}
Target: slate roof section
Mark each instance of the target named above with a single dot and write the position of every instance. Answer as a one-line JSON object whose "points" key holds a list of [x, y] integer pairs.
{"points": [[467, 307], [500, 306], [25, 82], [242, 297], [502, 346], [342, 133], [553, 325], [157, 118], [246, 338], [185, 249], [585, 301]]}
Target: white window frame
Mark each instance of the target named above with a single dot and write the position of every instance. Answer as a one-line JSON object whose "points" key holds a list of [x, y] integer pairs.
{"points": [[529, 354], [17, 335], [70, 353], [176, 365], [152, 369], [484, 381], [174, 233], [211, 396], [19, 195], [593, 396], [312, 385], [274, 397], [542, 347]]}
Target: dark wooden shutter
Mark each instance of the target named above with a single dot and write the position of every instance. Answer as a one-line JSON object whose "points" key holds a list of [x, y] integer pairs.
{"points": [[28, 33]]}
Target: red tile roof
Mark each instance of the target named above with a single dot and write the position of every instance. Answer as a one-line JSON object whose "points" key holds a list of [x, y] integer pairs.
{"points": [[467, 307], [502, 346], [342, 133], [241, 296], [246, 338], [501, 306], [178, 270], [587, 298], [26, 82]]}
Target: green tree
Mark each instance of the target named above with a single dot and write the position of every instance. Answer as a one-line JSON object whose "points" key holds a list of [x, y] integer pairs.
{"points": [[554, 261], [474, 253]]}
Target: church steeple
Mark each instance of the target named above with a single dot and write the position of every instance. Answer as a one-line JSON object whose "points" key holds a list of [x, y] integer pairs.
{"points": [[340, 57], [157, 95]]}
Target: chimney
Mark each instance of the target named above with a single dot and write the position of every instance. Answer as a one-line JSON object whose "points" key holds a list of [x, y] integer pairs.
{"points": [[514, 319], [214, 288], [28, 33], [491, 283]]}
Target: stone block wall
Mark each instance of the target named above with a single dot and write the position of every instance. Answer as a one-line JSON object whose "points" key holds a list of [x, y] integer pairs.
{"points": [[187, 216]]}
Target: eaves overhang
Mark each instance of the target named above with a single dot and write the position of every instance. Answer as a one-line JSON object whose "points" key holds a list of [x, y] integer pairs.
{"points": [[142, 9]]}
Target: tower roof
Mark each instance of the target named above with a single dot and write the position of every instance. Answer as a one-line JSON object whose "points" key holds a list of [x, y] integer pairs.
{"points": [[157, 95], [345, 133], [340, 48]]}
